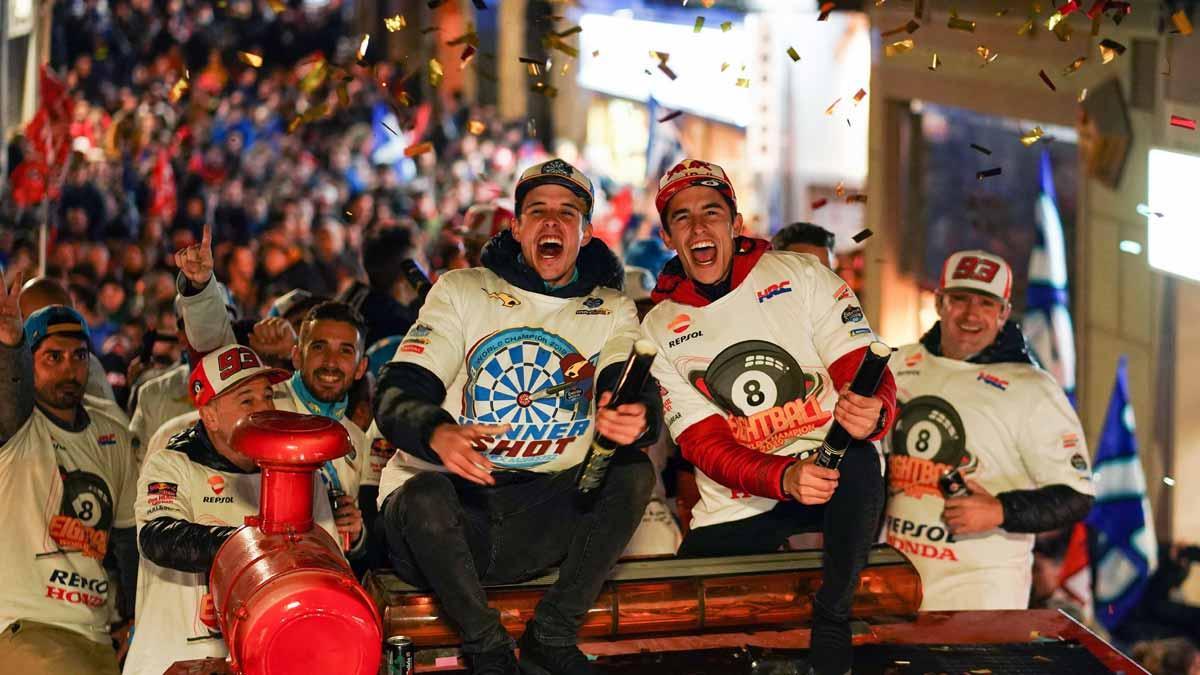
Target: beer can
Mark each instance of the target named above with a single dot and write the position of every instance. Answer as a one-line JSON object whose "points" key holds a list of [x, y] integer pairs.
{"points": [[952, 484], [400, 655]]}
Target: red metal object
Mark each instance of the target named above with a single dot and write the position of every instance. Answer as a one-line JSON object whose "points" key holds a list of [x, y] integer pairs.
{"points": [[287, 601]]}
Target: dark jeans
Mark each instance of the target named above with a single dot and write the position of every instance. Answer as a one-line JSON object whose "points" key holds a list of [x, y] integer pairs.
{"points": [[453, 536], [849, 521]]}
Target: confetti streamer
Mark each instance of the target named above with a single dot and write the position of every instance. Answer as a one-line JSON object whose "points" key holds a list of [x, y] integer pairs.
{"points": [[980, 148], [667, 70], [1183, 122], [418, 149], [829, 110], [1096, 9], [988, 173], [818, 203], [362, 46], [862, 236], [910, 28], [178, 90], [570, 31], [956, 23], [670, 116], [1053, 20], [435, 73], [1083, 95], [724, 67], [859, 96], [476, 127], [251, 59], [726, 27], [1046, 78], [1074, 65], [1110, 49], [826, 8], [791, 51], [898, 47], [395, 23], [699, 25], [468, 53], [1182, 24], [1068, 8], [933, 65], [1032, 137]]}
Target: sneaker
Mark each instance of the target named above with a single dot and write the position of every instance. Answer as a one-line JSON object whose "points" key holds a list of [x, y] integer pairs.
{"points": [[542, 659], [500, 661]]}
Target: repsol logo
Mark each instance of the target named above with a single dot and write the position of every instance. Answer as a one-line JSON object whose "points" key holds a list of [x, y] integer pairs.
{"points": [[908, 528], [684, 338], [218, 500]]}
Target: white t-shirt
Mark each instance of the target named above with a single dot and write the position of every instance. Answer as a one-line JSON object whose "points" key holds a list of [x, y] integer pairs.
{"points": [[1013, 425], [506, 355], [64, 491], [169, 602], [757, 357], [159, 400]]}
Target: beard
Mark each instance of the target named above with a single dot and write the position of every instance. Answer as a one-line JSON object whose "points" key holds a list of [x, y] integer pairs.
{"points": [[327, 391], [61, 395]]}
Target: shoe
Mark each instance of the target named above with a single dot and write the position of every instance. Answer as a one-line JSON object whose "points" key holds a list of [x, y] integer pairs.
{"points": [[542, 659], [500, 661]]}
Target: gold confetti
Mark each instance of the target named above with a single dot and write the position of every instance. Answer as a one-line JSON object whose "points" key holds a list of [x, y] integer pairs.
{"points": [[1182, 24], [1026, 28], [1110, 49], [343, 95], [986, 54], [251, 59], [544, 89], [476, 127], [1063, 31], [1032, 137], [698, 25], [362, 46], [314, 77], [743, 82], [898, 47], [667, 70], [791, 51], [418, 149], [661, 56], [1054, 20], [840, 190], [177, 90], [1075, 65], [726, 27], [314, 113], [724, 66], [956, 23], [858, 97], [395, 23], [829, 110], [435, 73], [293, 125], [1083, 95], [933, 65]]}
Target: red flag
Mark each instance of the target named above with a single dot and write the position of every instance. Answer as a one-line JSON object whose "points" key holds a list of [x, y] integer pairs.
{"points": [[49, 135], [162, 187], [29, 182], [1075, 576]]}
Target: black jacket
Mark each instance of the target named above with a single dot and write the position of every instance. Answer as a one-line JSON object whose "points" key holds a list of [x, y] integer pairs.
{"points": [[1028, 511], [408, 405]]}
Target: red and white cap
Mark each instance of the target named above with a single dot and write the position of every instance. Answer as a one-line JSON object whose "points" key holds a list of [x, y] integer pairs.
{"points": [[979, 272], [221, 369], [692, 173]]}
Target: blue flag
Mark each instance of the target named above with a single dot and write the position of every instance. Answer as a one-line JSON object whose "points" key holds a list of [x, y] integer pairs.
{"points": [[1047, 321], [1125, 551]]}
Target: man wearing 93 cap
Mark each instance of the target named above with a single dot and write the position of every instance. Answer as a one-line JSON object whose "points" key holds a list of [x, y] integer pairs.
{"points": [[973, 400], [756, 352]]}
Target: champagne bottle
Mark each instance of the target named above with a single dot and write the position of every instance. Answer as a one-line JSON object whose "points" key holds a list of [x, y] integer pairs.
{"points": [[633, 378]]}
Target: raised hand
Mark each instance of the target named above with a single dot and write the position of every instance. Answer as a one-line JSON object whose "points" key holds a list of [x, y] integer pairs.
{"points": [[455, 445], [12, 326], [273, 338], [196, 261]]}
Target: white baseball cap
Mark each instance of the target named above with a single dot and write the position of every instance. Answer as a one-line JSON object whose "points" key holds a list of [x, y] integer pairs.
{"points": [[979, 272], [223, 368]]}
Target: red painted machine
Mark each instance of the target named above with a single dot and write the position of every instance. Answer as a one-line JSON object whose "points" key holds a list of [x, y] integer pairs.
{"points": [[287, 600]]}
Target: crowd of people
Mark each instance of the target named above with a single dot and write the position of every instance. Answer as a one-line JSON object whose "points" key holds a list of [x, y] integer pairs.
{"points": [[267, 216]]}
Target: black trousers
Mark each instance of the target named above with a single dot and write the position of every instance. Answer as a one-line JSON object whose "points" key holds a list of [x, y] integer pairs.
{"points": [[849, 522], [453, 537]]}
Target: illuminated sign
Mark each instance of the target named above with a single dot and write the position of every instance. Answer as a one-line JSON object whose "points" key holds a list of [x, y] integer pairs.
{"points": [[1173, 213]]}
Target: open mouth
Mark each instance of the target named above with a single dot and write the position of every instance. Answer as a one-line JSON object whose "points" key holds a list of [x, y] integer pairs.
{"points": [[328, 377], [704, 252], [550, 246]]}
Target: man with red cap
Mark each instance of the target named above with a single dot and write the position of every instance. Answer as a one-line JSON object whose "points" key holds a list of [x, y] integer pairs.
{"points": [[972, 400], [192, 496], [756, 352]]}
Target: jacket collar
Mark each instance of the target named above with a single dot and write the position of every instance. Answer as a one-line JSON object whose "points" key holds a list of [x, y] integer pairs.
{"points": [[195, 443], [673, 283]]}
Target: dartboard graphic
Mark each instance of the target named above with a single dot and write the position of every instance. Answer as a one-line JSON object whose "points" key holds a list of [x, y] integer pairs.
{"points": [[527, 376]]}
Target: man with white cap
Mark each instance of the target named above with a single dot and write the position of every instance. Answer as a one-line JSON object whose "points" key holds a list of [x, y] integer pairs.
{"points": [[973, 403], [191, 497]]}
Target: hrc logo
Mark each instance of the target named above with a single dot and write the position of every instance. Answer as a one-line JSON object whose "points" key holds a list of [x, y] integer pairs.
{"points": [[996, 382], [774, 290], [107, 439]]}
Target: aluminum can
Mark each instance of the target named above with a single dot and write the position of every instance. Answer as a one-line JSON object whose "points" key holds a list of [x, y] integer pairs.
{"points": [[399, 655]]}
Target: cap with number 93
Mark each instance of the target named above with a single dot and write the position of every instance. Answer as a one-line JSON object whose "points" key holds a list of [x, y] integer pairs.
{"points": [[224, 368], [978, 272]]}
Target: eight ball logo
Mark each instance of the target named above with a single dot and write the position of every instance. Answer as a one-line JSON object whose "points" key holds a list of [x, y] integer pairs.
{"points": [[87, 499], [929, 428], [753, 376]]}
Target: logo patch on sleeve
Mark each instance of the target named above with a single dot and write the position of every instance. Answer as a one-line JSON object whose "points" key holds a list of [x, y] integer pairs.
{"points": [[852, 314], [159, 493]]}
